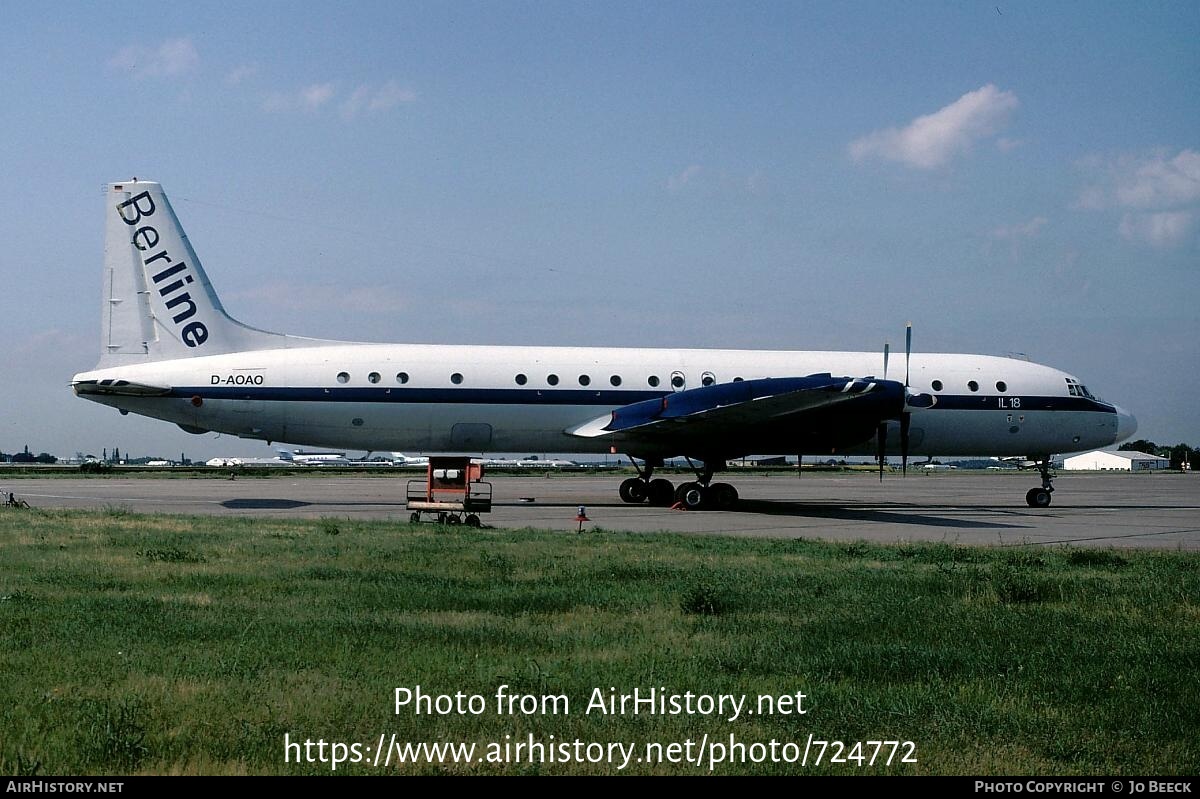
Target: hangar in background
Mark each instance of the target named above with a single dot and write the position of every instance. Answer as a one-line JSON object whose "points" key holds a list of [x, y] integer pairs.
{"points": [[1115, 460]]}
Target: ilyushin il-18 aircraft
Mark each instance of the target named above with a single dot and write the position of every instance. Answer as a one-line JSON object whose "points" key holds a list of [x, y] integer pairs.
{"points": [[171, 352]]}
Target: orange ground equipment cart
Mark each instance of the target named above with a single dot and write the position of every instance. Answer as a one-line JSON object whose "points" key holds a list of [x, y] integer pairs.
{"points": [[453, 490]]}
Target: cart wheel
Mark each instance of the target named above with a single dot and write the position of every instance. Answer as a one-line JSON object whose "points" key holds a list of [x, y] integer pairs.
{"points": [[453, 519], [414, 517], [472, 520]]}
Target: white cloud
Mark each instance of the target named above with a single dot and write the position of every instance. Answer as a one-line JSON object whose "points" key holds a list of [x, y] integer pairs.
{"points": [[1017, 236], [1165, 229], [390, 95], [309, 98], [689, 174], [238, 75], [364, 99], [1024, 230], [930, 141], [1093, 198], [371, 99], [1157, 182], [756, 182], [714, 182], [355, 102], [315, 96], [172, 57], [1149, 182], [1159, 194]]}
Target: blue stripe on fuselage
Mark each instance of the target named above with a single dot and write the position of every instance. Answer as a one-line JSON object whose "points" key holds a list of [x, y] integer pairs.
{"points": [[576, 396], [465, 396]]}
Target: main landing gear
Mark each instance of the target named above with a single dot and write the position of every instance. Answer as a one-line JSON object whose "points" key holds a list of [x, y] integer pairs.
{"points": [[637, 490], [1040, 497], [700, 494]]}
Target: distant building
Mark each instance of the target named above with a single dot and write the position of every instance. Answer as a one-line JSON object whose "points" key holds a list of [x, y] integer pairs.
{"points": [[1115, 460]]}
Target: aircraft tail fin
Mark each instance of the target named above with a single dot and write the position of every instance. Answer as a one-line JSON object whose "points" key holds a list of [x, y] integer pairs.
{"points": [[158, 301]]}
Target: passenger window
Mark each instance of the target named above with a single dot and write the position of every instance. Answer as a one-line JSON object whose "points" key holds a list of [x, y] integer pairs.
{"points": [[708, 378], [973, 385], [653, 381], [456, 378], [615, 380], [521, 380], [373, 377], [401, 377], [677, 380], [552, 379], [1001, 386], [343, 377], [937, 385], [584, 380]]}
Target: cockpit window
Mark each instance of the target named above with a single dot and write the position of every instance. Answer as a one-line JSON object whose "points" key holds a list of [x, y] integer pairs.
{"points": [[1077, 389]]}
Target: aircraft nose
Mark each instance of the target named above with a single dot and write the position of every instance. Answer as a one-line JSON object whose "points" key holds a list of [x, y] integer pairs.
{"points": [[1126, 424]]}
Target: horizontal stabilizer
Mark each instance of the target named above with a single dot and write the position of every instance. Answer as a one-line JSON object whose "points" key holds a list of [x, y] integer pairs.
{"points": [[120, 388]]}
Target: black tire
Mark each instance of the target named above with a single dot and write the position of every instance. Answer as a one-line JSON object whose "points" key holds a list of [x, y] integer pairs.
{"points": [[633, 490], [453, 519], [472, 520], [722, 496], [414, 517], [1038, 498], [691, 495], [661, 493]]}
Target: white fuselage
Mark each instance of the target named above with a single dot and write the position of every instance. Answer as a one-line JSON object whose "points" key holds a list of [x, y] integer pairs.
{"points": [[451, 398]]}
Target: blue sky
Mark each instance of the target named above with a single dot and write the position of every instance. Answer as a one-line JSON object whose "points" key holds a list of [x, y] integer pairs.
{"points": [[1012, 177]]}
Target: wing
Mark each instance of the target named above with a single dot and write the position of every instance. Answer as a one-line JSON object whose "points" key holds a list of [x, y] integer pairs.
{"points": [[784, 414]]}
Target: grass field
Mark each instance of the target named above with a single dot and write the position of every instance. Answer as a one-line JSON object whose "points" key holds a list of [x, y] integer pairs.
{"points": [[162, 644]]}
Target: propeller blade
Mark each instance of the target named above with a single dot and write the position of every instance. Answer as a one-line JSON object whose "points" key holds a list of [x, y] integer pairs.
{"points": [[907, 350], [905, 418], [881, 434], [886, 347]]}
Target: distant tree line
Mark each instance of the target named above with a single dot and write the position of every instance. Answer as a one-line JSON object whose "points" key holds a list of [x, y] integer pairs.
{"points": [[27, 457], [1177, 453]]}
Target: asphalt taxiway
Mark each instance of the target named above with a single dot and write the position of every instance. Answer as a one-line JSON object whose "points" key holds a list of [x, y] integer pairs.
{"points": [[1097, 510]]}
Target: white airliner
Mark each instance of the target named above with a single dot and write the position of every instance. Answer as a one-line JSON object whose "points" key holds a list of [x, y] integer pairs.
{"points": [[170, 351]]}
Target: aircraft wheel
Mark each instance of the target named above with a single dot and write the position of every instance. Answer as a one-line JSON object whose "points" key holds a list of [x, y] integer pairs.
{"points": [[692, 495], [723, 496], [472, 520], [661, 493], [633, 490], [1038, 498], [414, 518]]}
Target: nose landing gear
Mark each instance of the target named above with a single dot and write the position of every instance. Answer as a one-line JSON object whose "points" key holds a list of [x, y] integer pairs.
{"points": [[1040, 497]]}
